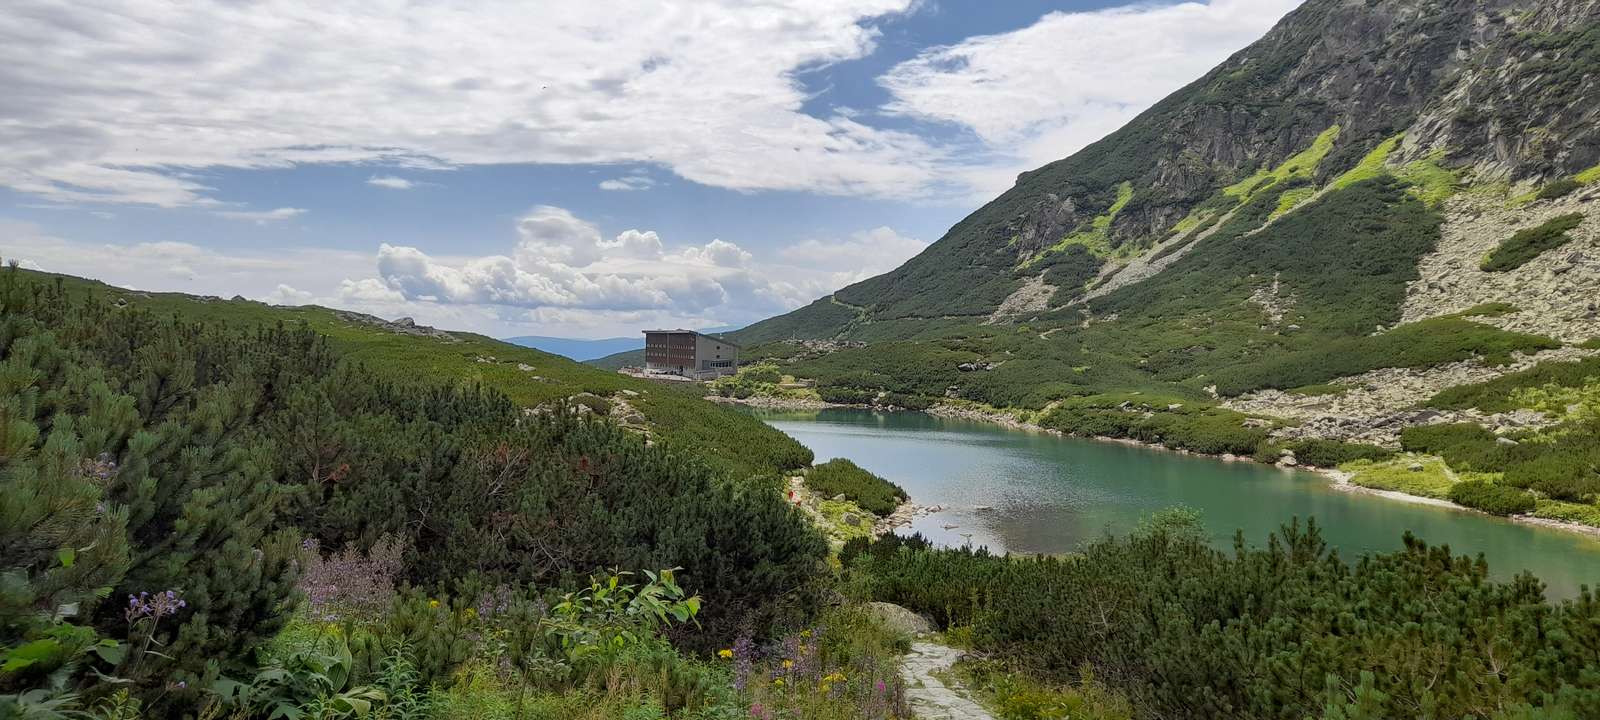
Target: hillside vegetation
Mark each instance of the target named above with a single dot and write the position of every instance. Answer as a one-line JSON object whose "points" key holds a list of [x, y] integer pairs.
{"points": [[1285, 629], [1416, 218], [528, 378]]}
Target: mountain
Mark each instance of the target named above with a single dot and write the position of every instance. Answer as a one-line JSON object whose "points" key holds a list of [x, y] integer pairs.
{"points": [[1503, 91], [1377, 202], [579, 349]]}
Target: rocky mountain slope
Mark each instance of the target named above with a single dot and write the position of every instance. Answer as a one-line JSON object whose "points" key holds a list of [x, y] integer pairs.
{"points": [[1504, 91], [1378, 201]]}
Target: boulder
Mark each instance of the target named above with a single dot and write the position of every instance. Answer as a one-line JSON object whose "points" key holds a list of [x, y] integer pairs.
{"points": [[1415, 467], [839, 498], [899, 619], [850, 519]]}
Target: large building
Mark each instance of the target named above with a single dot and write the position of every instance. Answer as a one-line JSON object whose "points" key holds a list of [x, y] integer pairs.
{"points": [[690, 354]]}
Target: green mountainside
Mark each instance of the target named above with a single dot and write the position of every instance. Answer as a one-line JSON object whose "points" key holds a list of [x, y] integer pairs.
{"points": [[674, 416], [1375, 203]]}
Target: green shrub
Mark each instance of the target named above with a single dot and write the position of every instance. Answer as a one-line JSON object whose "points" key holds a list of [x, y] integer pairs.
{"points": [[842, 477], [1558, 189], [1332, 453], [1212, 431], [225, 446], [1528, 244], [1491, 498], [1263, 631]]}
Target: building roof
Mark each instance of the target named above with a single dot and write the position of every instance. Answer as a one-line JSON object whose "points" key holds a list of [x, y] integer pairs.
{"points": [[681, 331]]}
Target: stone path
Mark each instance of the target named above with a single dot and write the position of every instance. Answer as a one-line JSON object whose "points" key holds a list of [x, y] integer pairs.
{"points": [[929, 697]]}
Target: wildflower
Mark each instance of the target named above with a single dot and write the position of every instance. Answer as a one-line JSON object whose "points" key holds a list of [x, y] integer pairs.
{"points": [[433, 603], [725, 653], [788, 664], [879, 686], [838, 677], [778, 682], [805, 633]]}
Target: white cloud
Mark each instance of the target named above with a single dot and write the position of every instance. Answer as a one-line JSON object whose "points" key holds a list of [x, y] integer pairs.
{"points": [[287, 295], [867, 253], [391, 182], [118, 100], [631, 280], [630, 182], [563, 267], [261, 217], [1047, 90], [104, 99]]}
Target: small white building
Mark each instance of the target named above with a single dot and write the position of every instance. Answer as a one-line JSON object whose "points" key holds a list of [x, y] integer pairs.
{"points": [[689, 353]]}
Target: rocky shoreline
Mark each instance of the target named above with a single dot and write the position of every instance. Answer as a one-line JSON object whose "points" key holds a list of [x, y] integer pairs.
{"points": [[772, 403], [1340, 480]]}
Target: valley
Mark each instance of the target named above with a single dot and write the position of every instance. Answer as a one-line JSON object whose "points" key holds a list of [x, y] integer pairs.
{"points": [[1280, 401]]}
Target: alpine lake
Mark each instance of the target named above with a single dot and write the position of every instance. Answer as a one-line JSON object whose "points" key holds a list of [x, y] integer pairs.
{"points": [[1037, 493]]}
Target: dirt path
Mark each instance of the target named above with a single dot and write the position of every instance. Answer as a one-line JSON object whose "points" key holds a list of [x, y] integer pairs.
{"points": [[928, 696]]}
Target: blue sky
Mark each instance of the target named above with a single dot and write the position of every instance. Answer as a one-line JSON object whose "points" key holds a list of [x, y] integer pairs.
{"points": [[569, 169]]}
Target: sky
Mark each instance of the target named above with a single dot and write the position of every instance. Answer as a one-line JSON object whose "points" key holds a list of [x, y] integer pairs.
{"points": [[573, 169]]}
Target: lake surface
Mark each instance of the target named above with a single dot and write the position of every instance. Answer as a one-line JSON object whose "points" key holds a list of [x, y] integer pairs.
{"points": [[1033, 492]]}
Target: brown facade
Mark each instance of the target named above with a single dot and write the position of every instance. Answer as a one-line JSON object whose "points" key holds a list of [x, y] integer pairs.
{"points": [[669, 351], [688, 353]]}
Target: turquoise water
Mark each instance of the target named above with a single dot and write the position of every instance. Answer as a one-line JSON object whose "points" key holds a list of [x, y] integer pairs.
{"points": [[1037, 493]]}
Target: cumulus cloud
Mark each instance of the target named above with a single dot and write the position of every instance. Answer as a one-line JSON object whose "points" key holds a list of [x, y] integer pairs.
{"points": [[262, 217], [562, 266], [390, 181], [287, 295], [1047, 90]]}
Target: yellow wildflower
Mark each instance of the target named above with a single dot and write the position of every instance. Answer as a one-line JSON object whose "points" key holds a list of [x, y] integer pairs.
{"points": [[433, 603], [725, 653], [778, 682], [787, 663], [805, 633]]}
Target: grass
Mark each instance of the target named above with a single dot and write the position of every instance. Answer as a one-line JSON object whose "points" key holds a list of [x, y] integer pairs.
{"points": [[1433, 480], [838, 531], [1300, 165], [1581, 513], [1527, 244], [1430, 181], [1095, 237], [1292, 198], [1375, 163], [1588, 177], [1014, 695]]}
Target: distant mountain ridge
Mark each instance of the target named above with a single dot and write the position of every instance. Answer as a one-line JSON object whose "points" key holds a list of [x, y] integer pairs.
{"points": [[577, 348]]}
